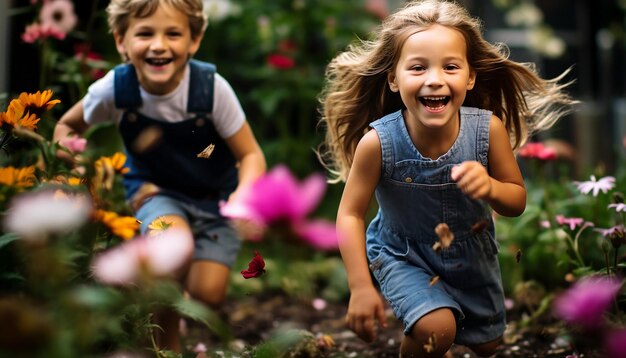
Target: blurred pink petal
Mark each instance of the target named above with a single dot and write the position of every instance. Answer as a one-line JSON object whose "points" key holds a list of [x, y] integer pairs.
{"points": [[319, 304], [537, 150], [74, 144], [58, 14], [615, 344], [586, 301], [157, 256], [321, 234], [199, 348]]}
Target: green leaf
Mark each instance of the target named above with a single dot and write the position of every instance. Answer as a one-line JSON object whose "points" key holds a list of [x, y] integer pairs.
{"points": [[201, 313], [7, 239]]}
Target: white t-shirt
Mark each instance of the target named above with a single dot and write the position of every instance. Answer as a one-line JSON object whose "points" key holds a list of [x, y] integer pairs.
{"points": [[228, 116]]}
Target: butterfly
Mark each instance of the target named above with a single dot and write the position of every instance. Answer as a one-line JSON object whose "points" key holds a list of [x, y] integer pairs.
{"points": [[256, 267]]}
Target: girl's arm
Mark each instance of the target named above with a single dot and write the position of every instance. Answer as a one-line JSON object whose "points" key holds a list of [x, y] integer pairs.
{"points": [[365, 305], [503, 187], [246, 150]]}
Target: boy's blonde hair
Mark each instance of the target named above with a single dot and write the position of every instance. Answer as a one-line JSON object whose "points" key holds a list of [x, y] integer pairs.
{"points": [[120, 11], [357, 92]]}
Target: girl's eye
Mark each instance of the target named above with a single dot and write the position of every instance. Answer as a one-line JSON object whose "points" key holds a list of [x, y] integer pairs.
{"points": [[451, 67], [418, 68]]}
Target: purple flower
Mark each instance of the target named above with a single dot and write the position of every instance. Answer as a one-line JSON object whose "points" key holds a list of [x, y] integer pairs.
{"points": [[618, 207], [586, 301], [615, 344], [604, 184], [617, 230]]}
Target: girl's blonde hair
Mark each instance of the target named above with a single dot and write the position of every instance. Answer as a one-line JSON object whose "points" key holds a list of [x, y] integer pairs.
{"points": [[357, 92], [121, 11]]}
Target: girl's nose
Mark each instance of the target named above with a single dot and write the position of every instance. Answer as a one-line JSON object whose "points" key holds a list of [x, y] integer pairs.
{"points": [[434, 78]]}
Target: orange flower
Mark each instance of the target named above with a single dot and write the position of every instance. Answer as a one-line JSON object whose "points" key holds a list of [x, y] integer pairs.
{"points": [[16, 115], [20, 177], [38, 102], [106, 167], [122, 226], [159, 225]]}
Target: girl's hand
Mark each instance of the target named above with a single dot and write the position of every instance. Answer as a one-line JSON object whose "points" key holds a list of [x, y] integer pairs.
{"points": [[473, 180], [364, 309]]}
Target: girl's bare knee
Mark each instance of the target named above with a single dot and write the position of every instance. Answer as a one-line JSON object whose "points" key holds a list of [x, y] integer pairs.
{"points": [[431, 336]]}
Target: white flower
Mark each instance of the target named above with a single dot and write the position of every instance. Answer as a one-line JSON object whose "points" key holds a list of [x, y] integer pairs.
{"points": [[216, 10], [604, 184], [35, 215], [525, 14], [618, 207]]}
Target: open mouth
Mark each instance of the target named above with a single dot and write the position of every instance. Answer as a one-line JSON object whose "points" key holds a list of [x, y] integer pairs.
{"points": [[435, 103], [158, 61]]}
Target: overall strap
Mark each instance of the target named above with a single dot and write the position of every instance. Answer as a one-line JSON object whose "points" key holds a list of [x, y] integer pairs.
{"points": [[201, 84], [127, 94]]}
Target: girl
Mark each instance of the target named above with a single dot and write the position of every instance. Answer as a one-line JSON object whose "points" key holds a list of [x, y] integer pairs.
{"points": [[187, 139], [448, 108]]}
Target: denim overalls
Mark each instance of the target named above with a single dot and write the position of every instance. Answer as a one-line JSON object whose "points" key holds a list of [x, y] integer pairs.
{"points": [[172, 162], [414, 195], [166, 154]]}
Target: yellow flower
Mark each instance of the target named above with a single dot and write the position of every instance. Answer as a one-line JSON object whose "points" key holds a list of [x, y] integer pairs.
{"points": [[20, 177], [106, 167], [159, 225], [122, 226]]}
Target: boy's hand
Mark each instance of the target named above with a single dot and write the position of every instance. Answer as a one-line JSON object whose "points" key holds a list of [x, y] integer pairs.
{"points": [[473, 180], [364, 309]]}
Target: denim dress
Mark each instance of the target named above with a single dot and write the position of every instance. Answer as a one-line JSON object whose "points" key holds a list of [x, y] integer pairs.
{"points": [[414, 195]]}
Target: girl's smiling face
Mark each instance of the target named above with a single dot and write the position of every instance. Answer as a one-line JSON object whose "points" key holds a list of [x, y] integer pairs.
{"points": [[158, 46], [432, 76]]}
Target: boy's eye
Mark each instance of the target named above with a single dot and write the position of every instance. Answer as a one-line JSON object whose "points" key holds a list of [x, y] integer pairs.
{"points": [[174, 34], [143, 34]]}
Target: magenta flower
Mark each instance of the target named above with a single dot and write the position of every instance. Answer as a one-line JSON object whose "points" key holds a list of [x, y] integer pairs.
{"points": [[572, 222], [604, 185], [615, 344], [537, 150], [278, 198], [147, 256], [586, 301], [74, 144], [618, 207]]}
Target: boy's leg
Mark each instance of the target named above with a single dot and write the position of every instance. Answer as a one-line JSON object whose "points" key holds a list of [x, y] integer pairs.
{"points": [[431, 336], [207, 282]]}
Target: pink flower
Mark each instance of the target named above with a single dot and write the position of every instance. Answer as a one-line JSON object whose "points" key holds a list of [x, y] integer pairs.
{"points": [[320, 234], [74, 144], [58, 14], [537, 151], [615, 344], [35, 31], [617, 230], [278, 198], [280, 62], [604, 184], [586, 301], [147, 256], [572, 222]]}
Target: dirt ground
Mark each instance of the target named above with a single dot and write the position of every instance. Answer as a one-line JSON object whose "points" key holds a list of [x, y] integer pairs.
{"points": [[255, 320]]}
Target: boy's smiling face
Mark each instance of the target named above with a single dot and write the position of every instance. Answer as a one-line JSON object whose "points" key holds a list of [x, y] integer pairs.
{"points": [[158, 46]]}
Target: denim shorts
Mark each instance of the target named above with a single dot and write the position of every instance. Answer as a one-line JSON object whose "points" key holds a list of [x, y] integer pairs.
{"points": [[465, 277], [215, 239]]}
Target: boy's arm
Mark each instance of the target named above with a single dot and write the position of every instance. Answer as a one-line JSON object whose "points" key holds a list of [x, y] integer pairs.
{"points": [[365, 307], [246, 150], [72, 123]]}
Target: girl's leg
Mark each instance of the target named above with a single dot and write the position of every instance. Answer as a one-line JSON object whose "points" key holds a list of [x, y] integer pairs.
{"points": [[487, 349], [431, 336], [207, 282]]}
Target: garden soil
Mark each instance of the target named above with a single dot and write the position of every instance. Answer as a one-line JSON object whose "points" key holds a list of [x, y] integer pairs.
{"points": [[254, 321]]}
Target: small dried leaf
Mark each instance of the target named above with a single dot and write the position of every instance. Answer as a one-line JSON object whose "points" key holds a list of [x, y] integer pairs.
{"points": [[148, 139], [206, 153], [434, 280], [431, 346], [518, 255], [480, 226], [445, 237]]}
